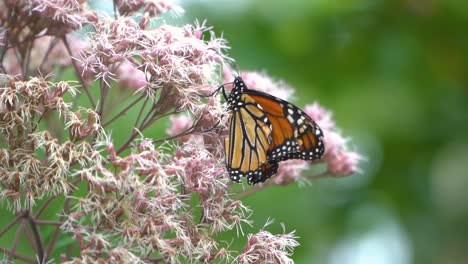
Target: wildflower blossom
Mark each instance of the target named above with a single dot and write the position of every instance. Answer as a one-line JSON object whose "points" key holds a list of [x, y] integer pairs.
{"points": [[46, 52], [26, 173], [59, 16], [265, 247], [290, 171], [180, 124], [49, 17], [136, 200], [150, 7], [322, 116], [262, 82], [130, 76], [340, 161]]}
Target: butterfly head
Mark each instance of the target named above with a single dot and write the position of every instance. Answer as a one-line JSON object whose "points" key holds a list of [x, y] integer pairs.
{"points": [[236, 92], [239, 84]]}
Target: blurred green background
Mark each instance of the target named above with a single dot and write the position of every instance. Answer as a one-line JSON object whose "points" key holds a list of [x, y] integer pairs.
{"points": [[395, 75]]}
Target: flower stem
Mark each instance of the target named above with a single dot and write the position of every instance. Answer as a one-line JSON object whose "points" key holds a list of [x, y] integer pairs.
{"points": [[123, 111], [38, 240], [19, 231], [252, 190], [17, 256], [10, 225]]}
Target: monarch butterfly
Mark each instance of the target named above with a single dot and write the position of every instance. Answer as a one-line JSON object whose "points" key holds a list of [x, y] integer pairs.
{"points": [[264, 130]]}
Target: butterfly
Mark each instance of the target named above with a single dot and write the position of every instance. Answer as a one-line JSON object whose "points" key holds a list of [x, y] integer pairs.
{"points": [[264, 130]]}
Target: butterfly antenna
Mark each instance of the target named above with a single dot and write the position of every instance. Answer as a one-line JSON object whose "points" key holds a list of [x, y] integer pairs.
{"points": [[229, 61], [233, 65]]}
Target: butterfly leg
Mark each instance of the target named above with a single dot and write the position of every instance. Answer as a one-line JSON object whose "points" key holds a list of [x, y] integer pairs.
{"points": [[215, 92]]}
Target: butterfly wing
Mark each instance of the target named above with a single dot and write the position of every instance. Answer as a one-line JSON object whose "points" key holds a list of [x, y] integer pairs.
{"points": [[267, 169], [249, 142], [294, 134]]}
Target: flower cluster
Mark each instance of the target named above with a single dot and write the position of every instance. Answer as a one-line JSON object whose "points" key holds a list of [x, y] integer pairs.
{"points": [[48, 17], [32, 31], [340, 160], [34, 163], [46, 54], [150, 213], [265, 247], [121, 196], [150, 8]]}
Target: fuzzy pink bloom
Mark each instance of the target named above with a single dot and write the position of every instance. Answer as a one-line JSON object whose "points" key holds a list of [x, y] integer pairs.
{"points": [[344, 163], [209, 116], [151, 7], [265, 84], [204, 122], [130, 76], [176, 62], [334, 142], [265, 247], [203, 172], [60, 16], [51, 17], [261, 82], [184, 62], [341, 162], [321, 116], [47, 53], [180, 124], [290, 171], [115, 42], [200, 170]]}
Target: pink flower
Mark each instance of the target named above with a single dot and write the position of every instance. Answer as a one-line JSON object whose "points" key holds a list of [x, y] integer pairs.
{"points": [[321, 116], [264, 83], [265, 247], [203, 172], [261, 82], [115, 42], [290, 171], [200, 170], [334, 142], [180, 124], [344, 163], [59, 16], [151, 7], [340, 161], [130, 76], [47, 53], [175, 60]]}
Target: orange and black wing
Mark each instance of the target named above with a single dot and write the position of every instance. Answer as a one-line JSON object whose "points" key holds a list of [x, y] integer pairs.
{"points": [[294, 134], [249, 142]]}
